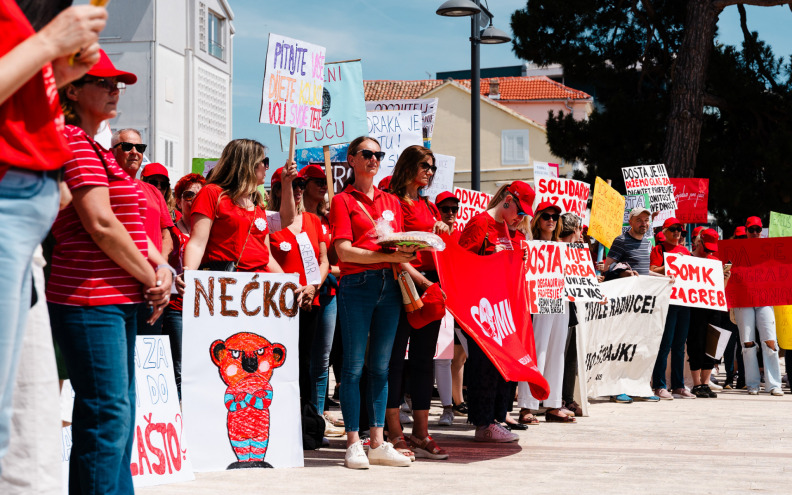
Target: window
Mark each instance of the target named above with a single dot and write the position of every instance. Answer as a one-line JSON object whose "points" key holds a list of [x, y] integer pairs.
{"points": [[216, 35], [514, 147]]}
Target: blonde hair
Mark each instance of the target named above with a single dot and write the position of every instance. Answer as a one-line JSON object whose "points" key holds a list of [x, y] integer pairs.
{"points": [[274, 202], [498, 196], [235, 171], [535, 226]]}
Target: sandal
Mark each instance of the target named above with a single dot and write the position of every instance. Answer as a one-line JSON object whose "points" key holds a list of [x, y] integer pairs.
{"points": [[400, 444], [427, 449], [333, 420], [575, 408], [555, 416], [526, 418]]}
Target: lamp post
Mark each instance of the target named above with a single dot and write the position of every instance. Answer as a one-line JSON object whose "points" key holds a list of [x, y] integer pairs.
{"points": [[490, 35]]}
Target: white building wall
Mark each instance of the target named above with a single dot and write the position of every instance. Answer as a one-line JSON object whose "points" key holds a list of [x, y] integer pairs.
{"points": [[212, 89], [170, 114]]}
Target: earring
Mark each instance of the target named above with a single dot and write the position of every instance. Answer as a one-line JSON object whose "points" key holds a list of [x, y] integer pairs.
{"points": [[505, 205]]}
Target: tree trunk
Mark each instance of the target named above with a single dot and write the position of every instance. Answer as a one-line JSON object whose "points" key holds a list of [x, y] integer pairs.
{"points": [[683, 131]]}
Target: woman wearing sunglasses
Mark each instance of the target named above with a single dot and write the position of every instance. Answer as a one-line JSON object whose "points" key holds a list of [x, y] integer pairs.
{"points": [[488, 393], [157, 175], [369, 300], [413, 173], [550, 335], [677, 322]]}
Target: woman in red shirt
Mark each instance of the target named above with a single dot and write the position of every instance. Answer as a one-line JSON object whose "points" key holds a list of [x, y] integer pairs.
{"points": [[677, 322], [369, 300], [413, 173]]}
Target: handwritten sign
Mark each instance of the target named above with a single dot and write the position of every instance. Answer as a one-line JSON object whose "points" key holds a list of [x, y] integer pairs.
{"points": [[568, 194], [545, 277], [698, 283], [292, 95], [395, 132], [607, 209], [652, 180], [544, 169], [580, 279], [471, 203], [427, 107], [761, 271], [443, 178], [780, 225], [691, 197]]}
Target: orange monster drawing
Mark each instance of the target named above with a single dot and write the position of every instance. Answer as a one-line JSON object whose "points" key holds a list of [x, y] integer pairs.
{"points": [[245, 362]]}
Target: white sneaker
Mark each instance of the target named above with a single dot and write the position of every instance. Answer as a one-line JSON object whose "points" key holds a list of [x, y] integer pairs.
{"points": [[333, 431], [355, 457], [715, 387], [495, 433], [753, 391], [447, 418], [404, 418], [777, 392], [386, 455]]}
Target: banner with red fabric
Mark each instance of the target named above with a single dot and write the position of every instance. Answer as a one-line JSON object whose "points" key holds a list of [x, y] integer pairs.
{"points": [[488, 298], [691, 196], [761, 271]]}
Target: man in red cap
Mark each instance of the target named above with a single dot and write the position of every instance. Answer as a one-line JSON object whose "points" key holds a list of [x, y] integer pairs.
{"points": [[753, 227], [448, 205]]}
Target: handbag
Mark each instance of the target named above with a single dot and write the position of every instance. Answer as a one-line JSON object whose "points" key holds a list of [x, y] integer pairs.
{"points": [[223, 265]]}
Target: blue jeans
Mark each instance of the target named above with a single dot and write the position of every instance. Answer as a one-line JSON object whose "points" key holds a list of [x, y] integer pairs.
{"points": [[172, 328], [98, 346], [753, 321], [320, 350], [28, 206], [369, 304], [674, 339]]}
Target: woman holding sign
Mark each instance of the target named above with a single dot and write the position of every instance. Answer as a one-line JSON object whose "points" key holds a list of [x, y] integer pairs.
{"points": [[369, 300]]}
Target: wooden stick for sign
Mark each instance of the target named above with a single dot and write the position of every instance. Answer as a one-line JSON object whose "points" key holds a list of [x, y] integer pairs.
{"points": [[343, 61], [329, 172], [292, 143]]}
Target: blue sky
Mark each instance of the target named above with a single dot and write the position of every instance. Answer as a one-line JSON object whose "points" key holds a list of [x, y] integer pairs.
{"points": [[402, 39]]}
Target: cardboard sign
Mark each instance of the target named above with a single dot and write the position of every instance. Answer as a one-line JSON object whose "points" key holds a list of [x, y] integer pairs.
{"points": [[343, 109], [395, 132], [761, 271], [471, 203], [691, 197], [545, 277], [568, 194], [698, 283], [338, 158], [544, 169], [633, 201], [652, 180], [240, 373], [292, 95], [607, 209], [444, 177], [203, 166], [783, 317], [427, 107], [619, 340], [580, 279], [780, 225]]}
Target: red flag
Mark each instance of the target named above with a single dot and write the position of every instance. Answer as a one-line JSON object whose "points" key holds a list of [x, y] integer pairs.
{"points": [[488, 298], [761, 271], [691, 197]]}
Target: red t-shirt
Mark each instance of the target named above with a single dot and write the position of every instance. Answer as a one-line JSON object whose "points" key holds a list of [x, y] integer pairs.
{"points": [[483, 228], [350, 223], [656, 255], [82, 274], [517, 236], [420, 216], [157, 216], [176, 260], [230, 227], [31, 135], [286, 251]]}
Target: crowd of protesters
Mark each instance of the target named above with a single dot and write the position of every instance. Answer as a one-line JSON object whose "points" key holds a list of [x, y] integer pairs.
{"points": [[120, 246]]}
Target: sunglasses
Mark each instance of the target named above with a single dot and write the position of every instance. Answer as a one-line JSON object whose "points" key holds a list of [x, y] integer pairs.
{"points": [[298, 184], [367, 154], [319, 182], [754, 230], [547, 216], [109, 84], [449, 209], [127, 147], [426, 166], [674, 230], [189, 195], [159, 184]]}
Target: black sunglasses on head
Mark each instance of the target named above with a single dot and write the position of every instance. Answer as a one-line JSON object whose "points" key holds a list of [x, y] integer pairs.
{"points": [[754, 230], [449, 209], [549, 216], [367, 154], [127, 147], [426, 166]]}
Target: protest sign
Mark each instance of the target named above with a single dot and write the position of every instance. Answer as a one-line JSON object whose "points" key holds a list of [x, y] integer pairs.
{"points": [[427, 107], [633, 201], [580, 279], [343, 108], [293, 84], [471, 203], [568, 194], [691, 197], [443, 178], [698, 283], [652, 180], [761, 271], [544, 169], [620, 340], [240, 371], [545, 277], [203, 166], [487, 299], [159, 451], [607, 208], [395, 132], [780, 225], [783, 317]]}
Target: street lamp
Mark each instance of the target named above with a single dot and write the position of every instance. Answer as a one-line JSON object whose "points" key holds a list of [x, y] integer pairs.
{"points": [[490, 36]]}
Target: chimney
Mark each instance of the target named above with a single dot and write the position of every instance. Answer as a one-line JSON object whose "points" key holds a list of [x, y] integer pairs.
{"points": [[494, 89]]}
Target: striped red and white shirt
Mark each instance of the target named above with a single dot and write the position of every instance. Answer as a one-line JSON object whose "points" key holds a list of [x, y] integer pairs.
{"points": [[82, 274]]}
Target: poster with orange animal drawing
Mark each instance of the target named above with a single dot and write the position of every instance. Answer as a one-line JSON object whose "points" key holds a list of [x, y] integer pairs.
{"points": [[240, 392]]}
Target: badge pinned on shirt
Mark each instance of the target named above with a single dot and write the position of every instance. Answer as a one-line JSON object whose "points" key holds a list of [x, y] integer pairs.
{"points": [[285, 246], [261, 224], [388, 215]]}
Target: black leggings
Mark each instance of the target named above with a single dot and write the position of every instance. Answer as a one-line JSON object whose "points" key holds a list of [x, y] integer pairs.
{"points": [[700, 319], [308, 323], [488, 392]]}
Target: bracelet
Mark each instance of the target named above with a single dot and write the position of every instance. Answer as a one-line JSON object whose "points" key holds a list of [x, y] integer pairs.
{"points": [[165, 265]]}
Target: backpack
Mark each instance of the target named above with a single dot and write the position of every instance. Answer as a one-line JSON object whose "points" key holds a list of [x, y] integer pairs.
{"points": [[313, 427]]}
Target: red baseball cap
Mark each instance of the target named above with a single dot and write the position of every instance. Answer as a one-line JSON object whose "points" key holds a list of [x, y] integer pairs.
{"points": [[385, 183], [105, 68], [444, 196], [312, 171], [154, 169], [698, 230], [525, 194], [660, 237], [671, 221], [740, 231], [547, 205], [753, 222], [709, 238], [276, 177], [433, 308]]}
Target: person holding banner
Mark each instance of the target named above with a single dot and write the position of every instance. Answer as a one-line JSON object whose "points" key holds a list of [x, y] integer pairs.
{"points": [[571, 232], [550, 332], [488, 393], [369, 300]]}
